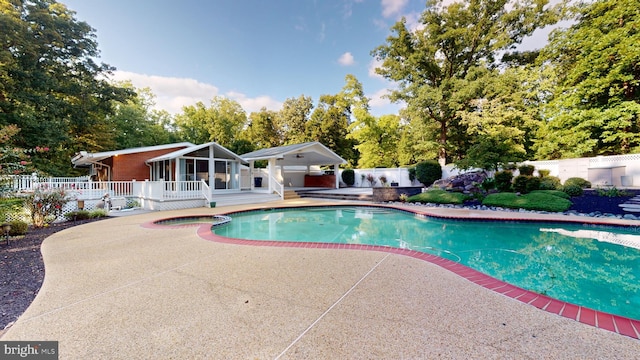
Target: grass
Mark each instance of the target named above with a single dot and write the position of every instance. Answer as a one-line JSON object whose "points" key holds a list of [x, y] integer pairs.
{"points": [[437, 196], [541, 200]]}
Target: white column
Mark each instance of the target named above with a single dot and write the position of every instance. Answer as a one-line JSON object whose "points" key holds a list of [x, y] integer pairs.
{"points": [[337, 174], [272, 175]]}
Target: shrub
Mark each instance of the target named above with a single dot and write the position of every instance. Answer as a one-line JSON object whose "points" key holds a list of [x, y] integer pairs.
{"points": [[537, 200], [78, 215], [549, 183], [427, 172], [18, 227], [572, 190], [95, 214], [578, 181], [558, 193], [520, 183], [503, 180], [45, 206], [412, 174], [383, 180], [526, 169], [349, 177], [612, 192], [437, 196], [544, 172], [488, 184]]}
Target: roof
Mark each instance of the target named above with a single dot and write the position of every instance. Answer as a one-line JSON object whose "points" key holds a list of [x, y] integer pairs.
{"points": [[178, 153], [309, 153], [84, 158]]}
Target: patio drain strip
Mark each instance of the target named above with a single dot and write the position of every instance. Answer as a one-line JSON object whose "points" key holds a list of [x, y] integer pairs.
{"points": [[331, 307]]}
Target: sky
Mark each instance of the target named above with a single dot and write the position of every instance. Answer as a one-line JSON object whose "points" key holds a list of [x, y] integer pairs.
{"points": [[256, 52]]}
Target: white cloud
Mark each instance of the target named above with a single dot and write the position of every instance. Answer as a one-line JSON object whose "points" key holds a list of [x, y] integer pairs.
{"points": [[254, 104], [377, 99], [392, 7], [173, 93], [346, 59], [373, 64]]}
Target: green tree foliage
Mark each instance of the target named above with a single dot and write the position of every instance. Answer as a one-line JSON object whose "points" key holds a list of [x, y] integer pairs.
{"points": [[291, 121], [222, 122], [377, 139], [502, 120], [135, 124], [51, 86], [434, 64], [329, 123], [261, 131], [595, 107]]}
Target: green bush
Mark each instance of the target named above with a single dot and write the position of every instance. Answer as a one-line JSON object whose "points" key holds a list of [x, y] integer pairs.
{"points": [[18, 227], [412, 174], [503, 180], [526, 169], [612, 192], [427, 172], [488, 184], [537, 200], [78, 215], [572, 190], [578, 181], [95, 214], [549, 183], [349, 177], [437, 196], [558, 193], [520, 183], [544, 173]]}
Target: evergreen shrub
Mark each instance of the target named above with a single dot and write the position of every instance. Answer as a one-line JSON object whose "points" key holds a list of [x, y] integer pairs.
{"points": [[503, 180], [427, 172], [349, 177]]}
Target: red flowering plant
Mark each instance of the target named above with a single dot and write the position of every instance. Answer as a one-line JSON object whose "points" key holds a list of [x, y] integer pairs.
{"points": [[45, 206]]}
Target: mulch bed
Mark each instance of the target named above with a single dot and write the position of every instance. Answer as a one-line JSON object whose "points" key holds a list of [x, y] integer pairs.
{"points": [[22, 270]]}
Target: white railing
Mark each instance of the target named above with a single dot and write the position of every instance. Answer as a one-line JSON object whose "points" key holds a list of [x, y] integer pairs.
{"points": [[30, 182], [277, 186], [206, 191], [176, 190]]}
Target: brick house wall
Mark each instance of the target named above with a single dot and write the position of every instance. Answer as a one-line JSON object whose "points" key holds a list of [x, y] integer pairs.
{"points": [[132, 166]]}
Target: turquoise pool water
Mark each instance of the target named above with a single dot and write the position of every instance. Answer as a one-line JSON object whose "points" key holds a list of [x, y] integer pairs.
{"points": [[593, 266]]}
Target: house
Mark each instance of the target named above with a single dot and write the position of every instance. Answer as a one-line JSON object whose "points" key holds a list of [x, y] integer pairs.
{"points": [[184, 175]]}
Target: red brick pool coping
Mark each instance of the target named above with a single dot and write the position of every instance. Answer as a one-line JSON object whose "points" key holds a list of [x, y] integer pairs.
{"points": [[615, 323]]}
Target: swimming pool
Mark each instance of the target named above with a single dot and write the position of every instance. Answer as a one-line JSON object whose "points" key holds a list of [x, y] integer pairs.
{"points": [[593, 266]]}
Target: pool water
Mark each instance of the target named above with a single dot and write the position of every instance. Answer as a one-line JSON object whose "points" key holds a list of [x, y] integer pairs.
{"points": [[592, 266]]}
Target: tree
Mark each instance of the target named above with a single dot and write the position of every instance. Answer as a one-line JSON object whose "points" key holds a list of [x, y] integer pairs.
{"points": [[377, 139], [595, 106], [135, 124], [290, 123], [434, 64], [50, 84], [222, 122], [503, 120], [330, 121], [261, 131]]}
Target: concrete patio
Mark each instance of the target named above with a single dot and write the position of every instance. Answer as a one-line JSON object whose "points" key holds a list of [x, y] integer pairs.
{"points": [[116, 290]]}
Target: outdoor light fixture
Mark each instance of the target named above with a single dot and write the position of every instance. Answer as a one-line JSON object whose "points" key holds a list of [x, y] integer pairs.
{"points": [[6, 227]]}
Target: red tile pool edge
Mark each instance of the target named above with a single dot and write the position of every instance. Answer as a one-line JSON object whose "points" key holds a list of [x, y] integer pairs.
{"points": [[615, 323]]}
